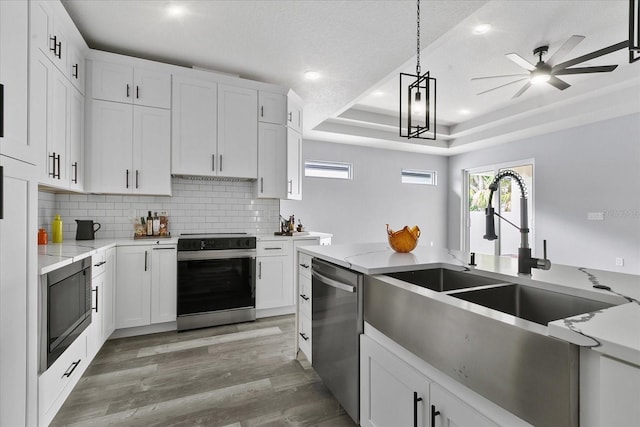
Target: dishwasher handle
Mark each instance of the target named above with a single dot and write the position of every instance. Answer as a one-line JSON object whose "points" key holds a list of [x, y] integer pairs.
{"points": [[334, 283]]}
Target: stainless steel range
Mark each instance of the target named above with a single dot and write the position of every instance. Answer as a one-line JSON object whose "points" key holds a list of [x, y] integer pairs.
{"points": [[216, 279]]}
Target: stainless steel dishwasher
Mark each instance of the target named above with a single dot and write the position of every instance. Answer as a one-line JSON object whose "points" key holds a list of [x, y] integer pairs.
{"points": [[337, 322]]}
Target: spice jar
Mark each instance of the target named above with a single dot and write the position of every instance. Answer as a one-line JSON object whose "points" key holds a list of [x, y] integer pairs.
{"points": [[43, 238]]}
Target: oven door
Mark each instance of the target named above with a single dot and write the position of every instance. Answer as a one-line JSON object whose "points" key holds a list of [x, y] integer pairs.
{"points": [[210, 281]]}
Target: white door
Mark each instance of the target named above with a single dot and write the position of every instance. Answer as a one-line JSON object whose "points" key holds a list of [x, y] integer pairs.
{"points": [[59, 123], [449, 411], [151, 150], [294, 165], [271, 108], [274, 282], [164, 273], [237, 132], [108, 295], [390, 389], [294, 113], [14, 51], [41, 76], [133, 286], [17, 287], [111, 142], [272, 161], [76, 140], [151, 88], [94, 336], [506, 202], [194, 119], [112, 82]]}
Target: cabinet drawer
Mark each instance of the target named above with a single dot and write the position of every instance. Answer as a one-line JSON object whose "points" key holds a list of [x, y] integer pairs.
{"points": [[304, 338], [55, 384], [304, 265], [304, 299], [273, 248], [98, 263]]}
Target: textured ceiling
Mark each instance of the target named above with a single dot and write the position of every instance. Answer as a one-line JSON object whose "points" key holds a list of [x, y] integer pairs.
{"points": [[359, 47]]}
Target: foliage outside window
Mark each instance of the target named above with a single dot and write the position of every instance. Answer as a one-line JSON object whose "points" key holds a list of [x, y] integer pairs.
{"points": [[479, 192]]}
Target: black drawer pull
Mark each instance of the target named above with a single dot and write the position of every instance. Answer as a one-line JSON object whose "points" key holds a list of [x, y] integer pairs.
{"points": [[434, 414], [304, 337], [304, 297], [73, 367], [304, 265]]}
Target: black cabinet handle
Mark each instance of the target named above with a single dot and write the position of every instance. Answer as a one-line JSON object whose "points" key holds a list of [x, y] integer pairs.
{"points": [[262, 111], [290, 116], [53, 39], [96, 291], [146, 259], [100, 263], [127, 90], [1, 111], [59, 54], [1, 192], [58, 161], [137, 92], [220, 164], [260, 270], [261, 184], [73, 367], [304, 297], [304, 337], [75, 71], [304, 265], [137, 178], [416, 399], [434, 414], [213, 162], [75, 172], [127, 178]]}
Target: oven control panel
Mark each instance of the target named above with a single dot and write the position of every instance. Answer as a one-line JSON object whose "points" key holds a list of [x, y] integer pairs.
{"points": [[216, 244]]}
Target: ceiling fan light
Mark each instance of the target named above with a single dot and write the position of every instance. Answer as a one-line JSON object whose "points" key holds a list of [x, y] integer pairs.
{"points": [[539, 77]]}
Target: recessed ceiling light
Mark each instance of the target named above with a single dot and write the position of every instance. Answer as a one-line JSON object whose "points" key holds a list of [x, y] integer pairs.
{"points": [[464, 111], [377, 93], [311, 75], [175, 10], [481, 29]]}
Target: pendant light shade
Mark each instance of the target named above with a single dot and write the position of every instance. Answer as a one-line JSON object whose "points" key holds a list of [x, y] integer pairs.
{"points": [[417, 99], [634, 31]]}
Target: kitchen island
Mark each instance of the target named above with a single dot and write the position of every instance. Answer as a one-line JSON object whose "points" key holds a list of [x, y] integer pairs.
{"points": [[605, 337]]}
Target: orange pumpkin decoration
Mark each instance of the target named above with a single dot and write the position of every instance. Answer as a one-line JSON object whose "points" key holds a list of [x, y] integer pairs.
{"points": [[404, 240]]}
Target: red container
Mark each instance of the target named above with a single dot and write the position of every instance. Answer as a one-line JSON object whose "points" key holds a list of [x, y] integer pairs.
{"points": [[43, 238]]}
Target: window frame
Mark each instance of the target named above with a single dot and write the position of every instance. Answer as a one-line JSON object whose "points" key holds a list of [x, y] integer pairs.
{"points": [[328, 165]]}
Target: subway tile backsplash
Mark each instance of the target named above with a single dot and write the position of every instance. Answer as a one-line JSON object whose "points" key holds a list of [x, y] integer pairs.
{"points": [[196, 206]]}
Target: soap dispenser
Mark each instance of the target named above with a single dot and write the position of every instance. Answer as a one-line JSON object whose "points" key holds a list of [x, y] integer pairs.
{"points": [[56, 229]]}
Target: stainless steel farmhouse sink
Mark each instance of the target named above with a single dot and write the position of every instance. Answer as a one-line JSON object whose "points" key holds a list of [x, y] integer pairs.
{"points": [[529, 303], [442, 279], [487, 334]]}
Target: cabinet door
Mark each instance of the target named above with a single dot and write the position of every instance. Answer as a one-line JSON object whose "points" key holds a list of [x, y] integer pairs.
{"points": [[294, 112], [17, 284], [151, 151], [75, 67], [274, 285], [194, 126], [94, 334], [133, 286], [41, 76], [110, 148], [294, 165], [108, 295], [237, 132], [272, 168], [112, 82], [41, 26], [57, 173], [271, 108], [76, 140], [389, 389], [164, 273], [448, 410], [619, 393], [151, 88], [14, 50]]}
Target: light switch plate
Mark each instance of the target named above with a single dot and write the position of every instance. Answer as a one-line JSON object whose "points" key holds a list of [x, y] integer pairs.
{"points": [[595, 216], [620, 262]]}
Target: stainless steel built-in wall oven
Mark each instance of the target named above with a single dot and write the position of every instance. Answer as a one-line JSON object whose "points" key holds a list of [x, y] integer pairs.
{"points": [[216, 280], [65, 309]]}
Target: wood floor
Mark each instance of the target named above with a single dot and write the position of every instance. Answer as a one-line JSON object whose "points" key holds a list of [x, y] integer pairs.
{"points": [[235, 375]]}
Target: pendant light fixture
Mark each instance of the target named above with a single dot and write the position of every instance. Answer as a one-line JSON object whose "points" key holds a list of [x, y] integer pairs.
{"points": [[634, 31], [418, 99]]}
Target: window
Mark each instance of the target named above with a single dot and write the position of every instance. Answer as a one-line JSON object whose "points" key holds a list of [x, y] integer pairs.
{"points": [[322, 169], [413, 176]]}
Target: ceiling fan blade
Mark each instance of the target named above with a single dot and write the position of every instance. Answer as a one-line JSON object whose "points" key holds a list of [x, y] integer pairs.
{"points": [[521, 61], [586, 70], [503, 75], [506, 84], [522, 89], [557, 83], [592, 55], [566, 47]]}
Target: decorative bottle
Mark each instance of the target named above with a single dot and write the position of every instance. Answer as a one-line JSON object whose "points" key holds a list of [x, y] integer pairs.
{"points": [[56, 229], [149, 224]]}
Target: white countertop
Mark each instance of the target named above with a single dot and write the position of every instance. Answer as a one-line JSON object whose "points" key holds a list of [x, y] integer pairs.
{"points": [[617, 329], [304, 235]]}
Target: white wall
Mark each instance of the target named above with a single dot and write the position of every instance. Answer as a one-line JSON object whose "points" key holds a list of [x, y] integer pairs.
{"points": [[356, 211], [594, 168]]}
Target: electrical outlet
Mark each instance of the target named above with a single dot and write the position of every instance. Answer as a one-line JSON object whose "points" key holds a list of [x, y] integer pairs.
{"points": [[595, 216], [620, 262]]}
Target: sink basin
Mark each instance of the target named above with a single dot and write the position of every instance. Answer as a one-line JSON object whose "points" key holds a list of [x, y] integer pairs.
{"points": [[529, 303], [442, 279]]}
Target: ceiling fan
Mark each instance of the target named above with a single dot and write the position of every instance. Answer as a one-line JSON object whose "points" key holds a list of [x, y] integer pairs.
{"points": [[547, 72]]}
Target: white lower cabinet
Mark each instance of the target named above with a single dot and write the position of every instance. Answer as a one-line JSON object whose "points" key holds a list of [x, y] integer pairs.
{"points": [[274, 277], [619, 393], [145, 285], [447, 410], [303, 272], [392, 393], [102, 301]]}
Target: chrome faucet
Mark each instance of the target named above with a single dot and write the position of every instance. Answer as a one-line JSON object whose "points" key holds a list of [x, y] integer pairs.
{"points": [[525, 261]]}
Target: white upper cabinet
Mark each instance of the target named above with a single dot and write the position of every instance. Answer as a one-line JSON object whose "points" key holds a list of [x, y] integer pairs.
{"points": [[151, 151], [294, 112], [272, 161], [237, 132], [194, 126], [14, 37], [294, 165], [271, 108], [124, 83]]}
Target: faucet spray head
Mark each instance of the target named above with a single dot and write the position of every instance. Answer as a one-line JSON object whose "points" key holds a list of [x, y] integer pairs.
{"points": [[490, 233]]}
